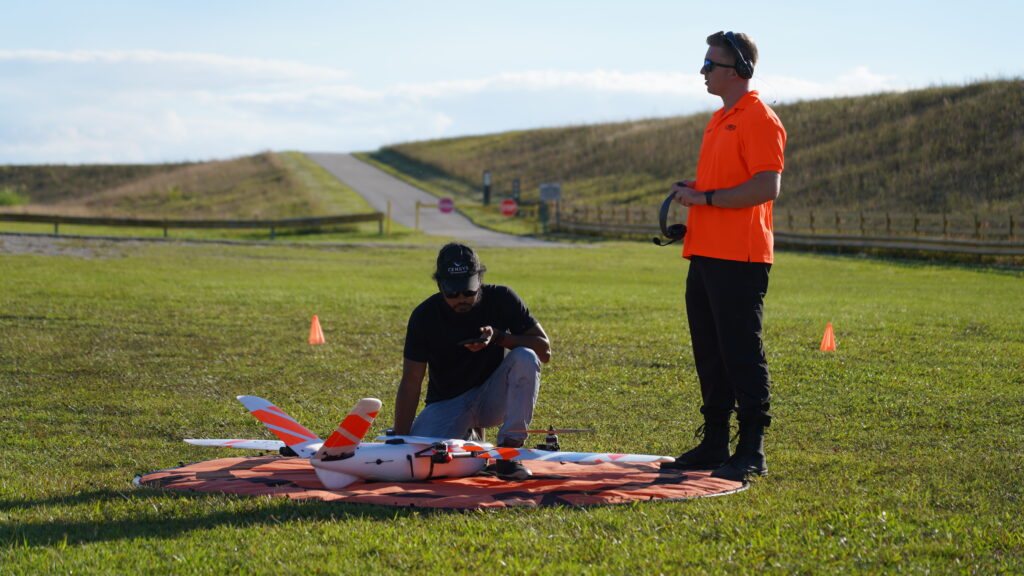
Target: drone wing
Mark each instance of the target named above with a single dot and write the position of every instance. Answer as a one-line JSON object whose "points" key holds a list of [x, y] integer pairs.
{"points": [[459, 445], [269, 445], [578, 457], [294, 435]]}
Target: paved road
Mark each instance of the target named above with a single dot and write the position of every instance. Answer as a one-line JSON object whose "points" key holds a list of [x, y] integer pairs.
{"points": [[379, 187]]}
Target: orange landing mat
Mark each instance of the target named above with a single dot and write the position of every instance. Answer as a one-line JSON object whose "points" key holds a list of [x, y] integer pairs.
{"points": [[552, 484]]}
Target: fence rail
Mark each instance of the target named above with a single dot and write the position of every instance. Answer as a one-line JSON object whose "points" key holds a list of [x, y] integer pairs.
{"points": [[272, 225], [953, 233]]}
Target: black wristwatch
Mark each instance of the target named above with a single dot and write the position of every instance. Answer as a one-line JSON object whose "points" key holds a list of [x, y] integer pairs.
{"points": [[707, 197], [499, 338]]}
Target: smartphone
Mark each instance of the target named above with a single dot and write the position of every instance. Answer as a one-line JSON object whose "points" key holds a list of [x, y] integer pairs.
{"points": [[471, 341]]}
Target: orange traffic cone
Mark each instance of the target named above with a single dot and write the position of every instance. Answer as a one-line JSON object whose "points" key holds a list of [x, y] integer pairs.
{"points": [[316, 335], [828, 341]]}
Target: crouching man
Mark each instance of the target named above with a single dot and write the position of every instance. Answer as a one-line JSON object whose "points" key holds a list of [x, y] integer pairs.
{"points": [[459, 336]]}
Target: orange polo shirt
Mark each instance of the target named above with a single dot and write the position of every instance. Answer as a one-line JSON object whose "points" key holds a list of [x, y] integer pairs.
{"points": [[738, 143]]}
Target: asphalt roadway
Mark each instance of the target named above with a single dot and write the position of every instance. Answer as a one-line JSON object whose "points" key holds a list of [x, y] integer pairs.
{"points": [[379, 187]]}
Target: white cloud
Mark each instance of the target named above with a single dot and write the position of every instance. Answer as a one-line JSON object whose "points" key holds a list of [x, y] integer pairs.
{"points": [[269, 69], [147, 106], [855, 82], [608, 81]]}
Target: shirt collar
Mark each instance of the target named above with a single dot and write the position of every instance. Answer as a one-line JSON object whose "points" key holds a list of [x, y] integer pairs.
{"points": [[744, 101]]}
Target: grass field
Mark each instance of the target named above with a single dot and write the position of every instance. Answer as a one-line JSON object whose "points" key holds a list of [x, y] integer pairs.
{"points": [[898, 453]]}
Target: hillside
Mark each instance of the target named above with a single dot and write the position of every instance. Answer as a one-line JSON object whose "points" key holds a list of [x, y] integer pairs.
{"points": [[933, 150], [49, 184], [266, 185]]}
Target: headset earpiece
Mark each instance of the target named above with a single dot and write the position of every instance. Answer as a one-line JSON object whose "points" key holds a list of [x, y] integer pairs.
{"points": [[743, 66]]}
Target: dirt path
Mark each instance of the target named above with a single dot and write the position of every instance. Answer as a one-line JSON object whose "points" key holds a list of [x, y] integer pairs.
{"points": [[378, 188]]}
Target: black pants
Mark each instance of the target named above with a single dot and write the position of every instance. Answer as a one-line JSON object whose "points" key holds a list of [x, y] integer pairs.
{"points": [[725, 305]]}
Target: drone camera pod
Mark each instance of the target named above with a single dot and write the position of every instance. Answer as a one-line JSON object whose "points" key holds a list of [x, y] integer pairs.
{"points": [[675, 232]]}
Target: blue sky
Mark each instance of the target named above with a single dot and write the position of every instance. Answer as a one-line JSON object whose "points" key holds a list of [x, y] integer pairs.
{"points": [[148, 81]]}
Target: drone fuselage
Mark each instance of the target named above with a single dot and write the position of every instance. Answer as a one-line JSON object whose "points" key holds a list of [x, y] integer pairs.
{"points": [[397, 462]]}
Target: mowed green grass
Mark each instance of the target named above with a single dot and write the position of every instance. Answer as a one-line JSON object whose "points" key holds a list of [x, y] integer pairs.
{"points": [[899, 452]]}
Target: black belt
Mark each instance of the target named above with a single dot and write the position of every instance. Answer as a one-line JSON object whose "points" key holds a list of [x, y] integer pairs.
{"points": [[675, 232]]}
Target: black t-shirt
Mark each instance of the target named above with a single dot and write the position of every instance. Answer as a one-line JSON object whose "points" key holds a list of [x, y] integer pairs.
{"points": [[434, 330]]}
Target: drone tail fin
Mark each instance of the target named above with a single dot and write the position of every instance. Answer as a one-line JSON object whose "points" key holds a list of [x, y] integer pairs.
{"points": [[294, 435], [347, 436]]}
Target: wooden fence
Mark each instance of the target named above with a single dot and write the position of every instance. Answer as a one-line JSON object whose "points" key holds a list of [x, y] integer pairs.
{"points": [[272, 225], [965, 233]]}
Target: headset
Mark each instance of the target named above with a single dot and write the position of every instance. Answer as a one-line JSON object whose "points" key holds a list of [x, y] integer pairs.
{"points": [[744, 68], [673, 233]]}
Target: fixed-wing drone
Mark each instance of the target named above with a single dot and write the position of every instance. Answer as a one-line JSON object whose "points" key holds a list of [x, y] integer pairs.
{"points": [[344, 458]]}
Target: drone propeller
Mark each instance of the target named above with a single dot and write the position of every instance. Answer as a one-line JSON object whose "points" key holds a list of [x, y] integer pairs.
{"points": [[551, 440]]}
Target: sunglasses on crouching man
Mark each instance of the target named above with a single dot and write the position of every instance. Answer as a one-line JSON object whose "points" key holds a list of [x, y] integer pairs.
{"points": [[460, 293]]}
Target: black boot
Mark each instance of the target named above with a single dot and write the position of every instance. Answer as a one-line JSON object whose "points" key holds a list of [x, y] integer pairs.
{"points": [[713, 449], [749, 456]]}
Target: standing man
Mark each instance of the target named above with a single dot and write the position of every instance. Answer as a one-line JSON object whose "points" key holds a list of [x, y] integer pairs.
{"points": [[729, 243], [460, 335]]}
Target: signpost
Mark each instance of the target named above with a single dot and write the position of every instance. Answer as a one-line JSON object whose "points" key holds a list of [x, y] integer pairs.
{"points": [[550, 191], [446, 205]]}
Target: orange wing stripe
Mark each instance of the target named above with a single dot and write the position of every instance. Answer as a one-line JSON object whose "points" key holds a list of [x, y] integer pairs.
{"points": [[353, 424], [287, 438], [283, 422]]}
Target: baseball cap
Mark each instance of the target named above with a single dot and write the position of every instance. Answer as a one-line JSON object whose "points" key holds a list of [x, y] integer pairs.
{"points": [[458, 268]]}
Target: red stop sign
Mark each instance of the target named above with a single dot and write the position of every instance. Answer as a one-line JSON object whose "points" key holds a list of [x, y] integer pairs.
{"points": [[509, 207], [446, 205]]}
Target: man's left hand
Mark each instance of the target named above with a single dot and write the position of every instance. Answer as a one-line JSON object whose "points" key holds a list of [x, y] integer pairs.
{"points": [[487, 332], [687, 196]]}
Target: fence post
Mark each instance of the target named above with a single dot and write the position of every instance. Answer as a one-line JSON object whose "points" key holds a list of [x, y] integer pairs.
{"points": [[888, 225], [915, 224], [945, 226], [812, 221], [1011, 228], [838, 227], [861, 222], [977, 227]]}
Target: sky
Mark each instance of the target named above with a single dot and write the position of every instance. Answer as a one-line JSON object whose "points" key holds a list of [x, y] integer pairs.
{"points": [[144, 81]]}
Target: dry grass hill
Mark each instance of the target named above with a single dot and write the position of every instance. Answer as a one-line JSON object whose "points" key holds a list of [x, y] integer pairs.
{"points": [[936, 150]]}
